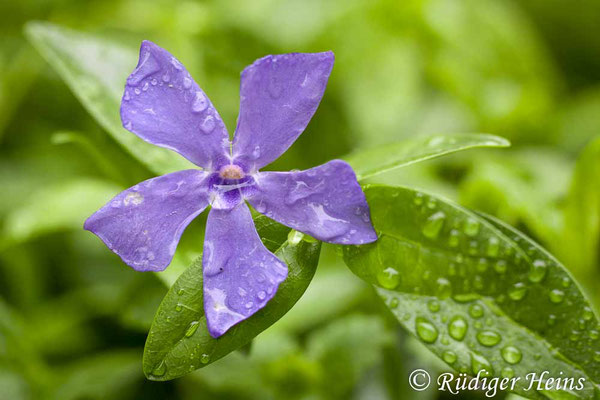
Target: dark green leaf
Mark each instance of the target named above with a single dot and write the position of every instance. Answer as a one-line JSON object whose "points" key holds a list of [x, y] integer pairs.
{"points": [[95, 69], [384, 158], [179, 341], [477, 293]]}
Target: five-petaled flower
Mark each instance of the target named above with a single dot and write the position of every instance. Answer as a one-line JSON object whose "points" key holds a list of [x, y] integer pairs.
{"points": [[278, 96]]}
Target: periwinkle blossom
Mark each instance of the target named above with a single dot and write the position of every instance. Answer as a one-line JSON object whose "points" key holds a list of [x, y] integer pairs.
{"points": [[279, 94]]}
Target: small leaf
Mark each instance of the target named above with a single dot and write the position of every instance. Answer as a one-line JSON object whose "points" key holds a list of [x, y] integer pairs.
{"points": [[384, 158], [476, 292], [95, 70], [179, 342]]}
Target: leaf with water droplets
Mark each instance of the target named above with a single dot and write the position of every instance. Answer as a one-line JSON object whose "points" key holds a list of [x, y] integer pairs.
{"points": [[476, 292], [179, 342], [95, 70], [370, 162]]}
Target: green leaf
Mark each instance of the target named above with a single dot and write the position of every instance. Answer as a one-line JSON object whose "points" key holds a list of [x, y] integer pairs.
{"points": [[384, 158], [179, 342], [476, 292], [56, 207], [580, 246], [95, 70]]}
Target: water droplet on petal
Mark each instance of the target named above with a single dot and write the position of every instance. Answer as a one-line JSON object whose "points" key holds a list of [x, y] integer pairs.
{"points": [[200, 102], [187, 83], [209, 124]]}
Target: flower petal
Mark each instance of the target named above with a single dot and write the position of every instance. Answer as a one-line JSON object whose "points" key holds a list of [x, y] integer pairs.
{"points": [[240, 274], [164, 106], [143, 224], [325, 202], [278, 97]]}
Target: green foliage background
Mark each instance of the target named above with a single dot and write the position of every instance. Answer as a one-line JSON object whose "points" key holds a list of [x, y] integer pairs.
{"points": [[73, 318]]}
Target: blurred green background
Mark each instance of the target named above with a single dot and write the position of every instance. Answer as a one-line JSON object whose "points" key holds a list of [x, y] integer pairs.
{"points": [[73, 318]]}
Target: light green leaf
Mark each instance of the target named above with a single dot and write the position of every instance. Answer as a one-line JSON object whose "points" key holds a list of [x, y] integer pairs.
{"points": [[384, 158], [580, 246], [477, 293], [96, 69], [57, 207], [179, 342]]}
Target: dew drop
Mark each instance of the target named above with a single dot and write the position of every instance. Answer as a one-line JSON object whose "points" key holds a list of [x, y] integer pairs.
{"points": [[394, 303], [204, 358], [482, 265], [126, 96], [160, 370], [178, 307], [200, 102], [432, 203], [488, 338], [388, 278], [594, 334], [449, 357], [538, 271], [476, 311], [426, 331], [551, 319], [434, 225], [418, 200], [588, 314], [566, 282], [261, 295], [471, 227], [507, 372], [500, 266], [556, 296], [493, 246], [444, 288], [454, 238], [166, 78], [209, 124], [181, 292], [192, 329], [517, 291], [457, 328], [433, 305], [187, 83], [480, 363]]}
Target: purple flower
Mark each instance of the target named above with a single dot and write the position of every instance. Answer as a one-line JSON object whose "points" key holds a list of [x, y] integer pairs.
{"points": [[278, 96]]}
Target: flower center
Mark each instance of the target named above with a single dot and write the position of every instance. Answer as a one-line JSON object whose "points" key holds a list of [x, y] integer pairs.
{"points": [[231, 171]]}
